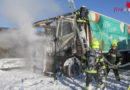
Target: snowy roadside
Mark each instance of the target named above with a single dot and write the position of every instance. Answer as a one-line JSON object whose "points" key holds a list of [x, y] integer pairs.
{"points": [[26, 80]]}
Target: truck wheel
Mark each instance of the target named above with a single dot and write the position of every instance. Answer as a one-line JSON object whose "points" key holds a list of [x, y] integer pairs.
{"points": [[71, 66]]}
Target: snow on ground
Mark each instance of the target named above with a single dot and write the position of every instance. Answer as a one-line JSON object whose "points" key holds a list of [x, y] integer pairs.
{"points": [[19, 79]]}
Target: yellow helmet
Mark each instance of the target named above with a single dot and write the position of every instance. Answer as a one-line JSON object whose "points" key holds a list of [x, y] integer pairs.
{"points": [[114, 43], [83, 6], [95, 44]]}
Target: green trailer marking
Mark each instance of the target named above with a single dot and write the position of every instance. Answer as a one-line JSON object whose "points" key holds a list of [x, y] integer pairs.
{"points": [[111, 29]]}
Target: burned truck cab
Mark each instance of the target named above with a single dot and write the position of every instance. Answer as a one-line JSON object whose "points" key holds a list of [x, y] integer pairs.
{"points": [[65, 43]]}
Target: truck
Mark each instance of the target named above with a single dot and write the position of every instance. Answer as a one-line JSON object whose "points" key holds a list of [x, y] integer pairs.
{"points": [[66, 43]]}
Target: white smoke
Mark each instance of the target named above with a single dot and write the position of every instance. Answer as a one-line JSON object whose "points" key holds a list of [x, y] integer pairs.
{"points": [[23, 12], [24, 41]]}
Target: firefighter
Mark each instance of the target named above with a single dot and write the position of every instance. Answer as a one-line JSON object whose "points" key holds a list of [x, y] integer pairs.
{"points": [[115, 58], [81, 19], [82, 15], [94, 62]]}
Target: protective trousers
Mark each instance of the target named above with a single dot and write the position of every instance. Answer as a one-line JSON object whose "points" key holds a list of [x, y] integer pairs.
{"points": [[115, 72], [96, 76]]}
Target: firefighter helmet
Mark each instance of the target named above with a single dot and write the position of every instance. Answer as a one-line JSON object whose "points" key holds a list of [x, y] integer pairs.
{"points": [[114, 43], [95, 44], [83, 8]]}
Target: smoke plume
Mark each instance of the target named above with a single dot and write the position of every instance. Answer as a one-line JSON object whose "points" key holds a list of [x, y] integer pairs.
{"points": [[23, 41]]}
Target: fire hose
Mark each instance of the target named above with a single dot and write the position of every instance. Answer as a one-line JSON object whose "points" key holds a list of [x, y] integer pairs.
{"points": [[101, 49], [71, 1]]}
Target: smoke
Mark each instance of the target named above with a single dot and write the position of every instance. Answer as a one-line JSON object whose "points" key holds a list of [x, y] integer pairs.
{"points": [[24, 42], [23, 12]]}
